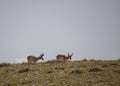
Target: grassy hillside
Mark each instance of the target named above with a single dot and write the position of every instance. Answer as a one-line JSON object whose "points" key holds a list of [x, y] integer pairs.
{"points": [[74, 73]]}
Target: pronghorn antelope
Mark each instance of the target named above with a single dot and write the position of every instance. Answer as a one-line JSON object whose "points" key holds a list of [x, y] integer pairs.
{"points": [[61, 57], [34, 59]]}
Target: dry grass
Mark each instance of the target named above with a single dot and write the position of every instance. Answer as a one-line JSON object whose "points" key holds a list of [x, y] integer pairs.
{"points": [[75, 73]]}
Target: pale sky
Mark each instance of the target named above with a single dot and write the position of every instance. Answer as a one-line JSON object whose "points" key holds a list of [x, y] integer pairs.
{"points": [[88, 28]]}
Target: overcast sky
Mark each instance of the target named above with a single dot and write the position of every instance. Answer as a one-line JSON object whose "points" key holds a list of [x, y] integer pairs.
{"points": [[88, 28]]}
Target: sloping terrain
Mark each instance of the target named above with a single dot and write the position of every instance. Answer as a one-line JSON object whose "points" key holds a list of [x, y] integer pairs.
{"points": [[74, 73]]}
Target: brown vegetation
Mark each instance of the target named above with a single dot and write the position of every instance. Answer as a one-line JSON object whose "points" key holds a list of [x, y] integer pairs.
{"points": [[74, 73]]}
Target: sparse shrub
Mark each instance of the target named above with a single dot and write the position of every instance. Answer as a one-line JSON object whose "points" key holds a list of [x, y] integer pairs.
{"points": [[59, 68], [114, 64], [94, 69], [117, 71], [9, 70], [84, 60], [4, 64], [51, 61], [24, 70], [105, 65], [77, 71]]}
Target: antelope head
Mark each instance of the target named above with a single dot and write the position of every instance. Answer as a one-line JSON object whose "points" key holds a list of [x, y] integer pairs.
{"points": [[69, 56], [41, 56]]}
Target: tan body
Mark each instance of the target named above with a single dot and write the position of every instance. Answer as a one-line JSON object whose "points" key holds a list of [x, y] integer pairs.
{"points": [[62, 57], [34, 59]]}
